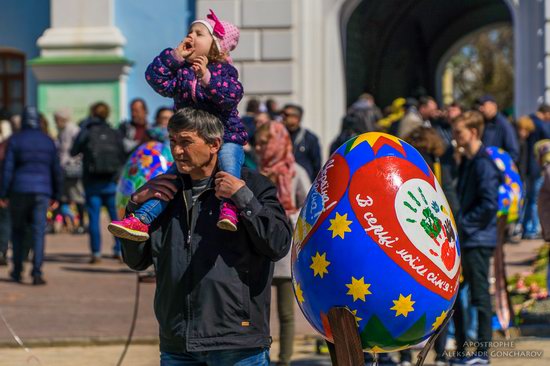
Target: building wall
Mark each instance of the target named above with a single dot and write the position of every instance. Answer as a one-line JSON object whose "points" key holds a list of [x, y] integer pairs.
{"points": [[266, 52], [35, 16], [290, 50], [149, 29]]}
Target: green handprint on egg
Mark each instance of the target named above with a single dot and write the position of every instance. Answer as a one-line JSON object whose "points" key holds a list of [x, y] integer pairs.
{"points": [[442, 234]]}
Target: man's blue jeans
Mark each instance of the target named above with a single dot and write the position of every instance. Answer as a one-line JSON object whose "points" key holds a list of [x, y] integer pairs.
{"points": [[28, 209], [231, 159], [531, 223], [235, 357], [97, 196]]}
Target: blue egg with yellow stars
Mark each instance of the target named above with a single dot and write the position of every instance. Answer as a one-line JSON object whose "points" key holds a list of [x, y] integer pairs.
{"points": [[510, 192], [376, 235]]}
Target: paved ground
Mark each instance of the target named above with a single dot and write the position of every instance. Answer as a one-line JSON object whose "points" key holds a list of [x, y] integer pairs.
{"points": [[147, 355], [82, 300], [94, 303]]}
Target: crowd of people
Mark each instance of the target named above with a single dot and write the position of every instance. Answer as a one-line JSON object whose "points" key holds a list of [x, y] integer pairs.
{"points": [[64, 176], [76, 175], [214, 285]]}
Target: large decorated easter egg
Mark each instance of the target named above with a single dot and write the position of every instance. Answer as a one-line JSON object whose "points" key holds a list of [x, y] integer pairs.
{"points": [[376, 235], [510, 192], [145, 163]]}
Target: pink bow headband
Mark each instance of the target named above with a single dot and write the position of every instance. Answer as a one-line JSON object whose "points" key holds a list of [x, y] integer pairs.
{"points": [[218, 30]]}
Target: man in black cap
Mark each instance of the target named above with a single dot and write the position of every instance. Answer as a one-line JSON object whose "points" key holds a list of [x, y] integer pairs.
{"points": [[498, 130], [32, 183]]}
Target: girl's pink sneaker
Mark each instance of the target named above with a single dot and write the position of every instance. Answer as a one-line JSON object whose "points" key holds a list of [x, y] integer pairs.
{"points": [[228, 217], [129, 228]]}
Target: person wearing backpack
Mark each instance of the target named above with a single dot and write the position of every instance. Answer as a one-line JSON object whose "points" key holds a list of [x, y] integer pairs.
{"points": [[103, 156]]}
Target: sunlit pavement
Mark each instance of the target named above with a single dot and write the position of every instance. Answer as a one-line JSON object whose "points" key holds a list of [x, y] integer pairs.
{"points": [[85, 304]]}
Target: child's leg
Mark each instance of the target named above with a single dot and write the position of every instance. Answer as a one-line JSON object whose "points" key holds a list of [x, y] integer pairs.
{"points": [[151, 209], [136, 226], [231, 159]]}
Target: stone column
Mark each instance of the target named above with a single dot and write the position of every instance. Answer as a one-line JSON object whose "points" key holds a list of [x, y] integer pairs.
{"points": [[544, 33], [530, 55], [81, 59]]}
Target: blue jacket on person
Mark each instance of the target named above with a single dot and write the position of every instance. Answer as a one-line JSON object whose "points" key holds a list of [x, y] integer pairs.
{"points": [[32, 163], [542, 131], [478, 182], [500, 133], [307, 151]]}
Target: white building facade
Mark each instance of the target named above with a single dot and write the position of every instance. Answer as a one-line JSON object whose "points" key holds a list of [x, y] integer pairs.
{"points": [[296, 51]]}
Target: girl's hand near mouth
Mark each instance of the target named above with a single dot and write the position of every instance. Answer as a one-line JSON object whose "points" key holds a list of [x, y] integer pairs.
{"points": [[185, 48]]}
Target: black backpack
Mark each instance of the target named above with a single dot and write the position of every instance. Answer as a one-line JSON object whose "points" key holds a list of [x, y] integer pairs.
{"points": [[105, 150]]}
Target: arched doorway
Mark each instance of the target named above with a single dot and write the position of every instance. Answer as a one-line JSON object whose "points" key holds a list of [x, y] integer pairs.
{"points": [[481, 58], [394, 47]]}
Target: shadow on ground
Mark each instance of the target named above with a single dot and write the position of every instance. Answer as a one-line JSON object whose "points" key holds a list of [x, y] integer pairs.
{"points": [[68, 258], [312, 361], [100, 270]]}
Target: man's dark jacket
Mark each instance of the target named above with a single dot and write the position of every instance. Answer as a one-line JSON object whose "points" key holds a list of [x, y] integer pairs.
{"points": [[307, 151], [499, 132], [31, 164], [478, 182], [214, 286]]}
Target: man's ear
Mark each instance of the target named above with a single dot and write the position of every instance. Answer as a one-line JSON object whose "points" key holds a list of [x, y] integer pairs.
{"points": [[216, 146]]}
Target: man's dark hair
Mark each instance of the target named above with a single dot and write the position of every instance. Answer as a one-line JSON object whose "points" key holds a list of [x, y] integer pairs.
{"points": [[4, 114], [424, 100], [139, 100], [253, 106], [299, 110], [208, 126], [160, 110], [544, 108], [100, 110], [269, 104]]}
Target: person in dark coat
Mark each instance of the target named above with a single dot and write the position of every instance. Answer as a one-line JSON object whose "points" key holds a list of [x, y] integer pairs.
{"points": [[533, 177], [5, 225], [350, 128], [366, 112], [306, 148], [478, 182], [213, 286], [498, 131], [32, 182]]}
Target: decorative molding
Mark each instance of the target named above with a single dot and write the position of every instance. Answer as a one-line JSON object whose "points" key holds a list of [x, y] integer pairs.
{"points": [[82, 41], [67, 72]]}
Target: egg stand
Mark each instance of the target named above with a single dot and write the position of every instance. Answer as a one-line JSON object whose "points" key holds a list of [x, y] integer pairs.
{"points": [[503, 304], [347, 350]]}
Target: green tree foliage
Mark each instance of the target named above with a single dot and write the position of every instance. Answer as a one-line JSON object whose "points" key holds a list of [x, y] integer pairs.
{"points": [[485, 65]]}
